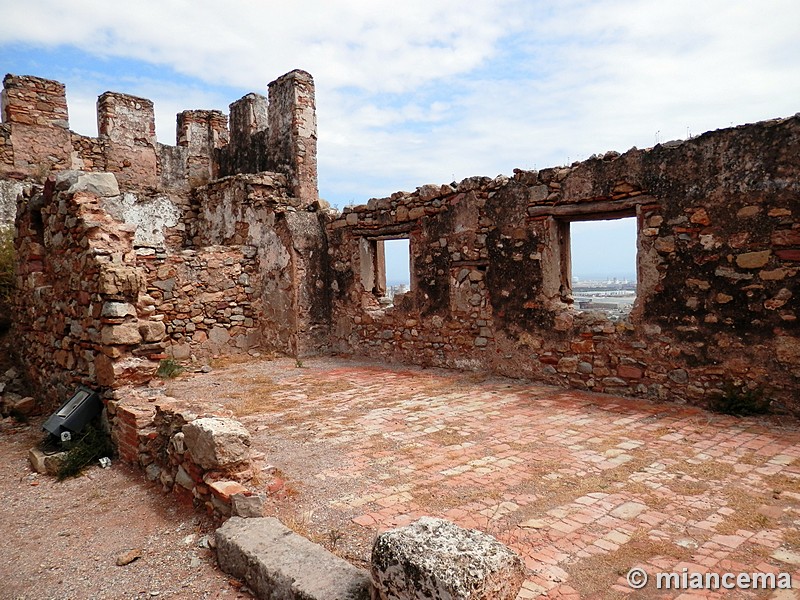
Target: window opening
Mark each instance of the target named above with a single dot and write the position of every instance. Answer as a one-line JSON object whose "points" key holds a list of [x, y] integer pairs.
{"points": [[397, 258], [600, 265], [386, 268]]}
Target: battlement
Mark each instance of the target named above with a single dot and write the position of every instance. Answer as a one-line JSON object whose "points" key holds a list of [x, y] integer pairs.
{"points": [[34, 101], [126, 119], [267, 134]]}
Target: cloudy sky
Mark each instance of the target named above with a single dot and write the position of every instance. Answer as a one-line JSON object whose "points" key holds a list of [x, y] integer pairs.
{"points": [[430, 91]]}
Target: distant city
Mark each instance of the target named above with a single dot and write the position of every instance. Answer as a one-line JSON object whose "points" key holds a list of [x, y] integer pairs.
{"points": [[613, 296], [393, 290]]}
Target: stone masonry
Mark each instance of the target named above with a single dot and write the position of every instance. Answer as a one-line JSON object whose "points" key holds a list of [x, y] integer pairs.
{"points": [[718, 257], [130, 251]]}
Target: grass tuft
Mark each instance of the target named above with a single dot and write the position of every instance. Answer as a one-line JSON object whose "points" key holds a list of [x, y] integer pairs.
{"points": [[91, 446], [169, 368]]}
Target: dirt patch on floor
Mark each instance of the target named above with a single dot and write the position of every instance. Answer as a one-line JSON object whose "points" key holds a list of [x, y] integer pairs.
{"points": [[62, 540]]}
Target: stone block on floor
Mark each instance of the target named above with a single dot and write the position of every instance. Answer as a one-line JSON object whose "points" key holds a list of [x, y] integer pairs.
{"points": [[46, 464], [436, 559], [215, 442], [278, 563]]}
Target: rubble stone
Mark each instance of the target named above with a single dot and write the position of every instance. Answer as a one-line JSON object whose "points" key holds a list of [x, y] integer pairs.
{"points": [[434, 558], [99, 184], [216, 442], [46, 464], [248, 507]]}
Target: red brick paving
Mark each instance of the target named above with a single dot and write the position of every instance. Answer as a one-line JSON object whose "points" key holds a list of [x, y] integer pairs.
{"points": [[583, 486]]}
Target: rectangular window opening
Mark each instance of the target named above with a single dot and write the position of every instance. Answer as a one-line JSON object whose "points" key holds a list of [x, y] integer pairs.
{"points": [[397, 257], [386, 267], [599, 258]]}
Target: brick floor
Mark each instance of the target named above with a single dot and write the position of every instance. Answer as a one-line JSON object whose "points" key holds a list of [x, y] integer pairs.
{"points": [[584, 486]]}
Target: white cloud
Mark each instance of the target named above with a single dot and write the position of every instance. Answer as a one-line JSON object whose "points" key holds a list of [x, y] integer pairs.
{"points": [[375, 45], [595, 76], [415, 92]]}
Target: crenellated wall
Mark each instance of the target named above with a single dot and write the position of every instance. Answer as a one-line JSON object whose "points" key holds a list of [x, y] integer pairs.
{"points": [[276, 135], [198, 253]]}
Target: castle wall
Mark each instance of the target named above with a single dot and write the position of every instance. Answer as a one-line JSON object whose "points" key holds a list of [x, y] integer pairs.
{"points": [[260, 212], [203, 252], [718, 257], [206, 299], [105, 290], [35, 113], [202, 132], [249, 147], [77, 310], [127, 127], [292, 137], [220, 245]]}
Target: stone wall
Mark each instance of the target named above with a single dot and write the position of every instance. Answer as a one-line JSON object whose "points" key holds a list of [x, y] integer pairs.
{"points": [[207, 300], [288, 242], [198, 256], [78, 289], [38, 139], [220, 244], [197, 453], [107, 286], [718, 257], [292, 137]]}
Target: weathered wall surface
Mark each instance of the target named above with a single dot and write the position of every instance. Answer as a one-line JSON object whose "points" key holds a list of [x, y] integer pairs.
{"points": [[292, 136], [36, 137], [718, 257], [10, 190], [288, 241], [96, 306], [78, 313], [220, 244], [198, 255], [206, 299]]}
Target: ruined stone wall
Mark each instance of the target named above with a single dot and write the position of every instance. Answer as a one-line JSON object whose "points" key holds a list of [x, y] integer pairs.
{"points": [[38, 139], [202, 132], [78, 310], [220, 245], [206, 299], [249, 147], [718, 257], [218, 269], [292, 136], [205, 468], [287, 240]]}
